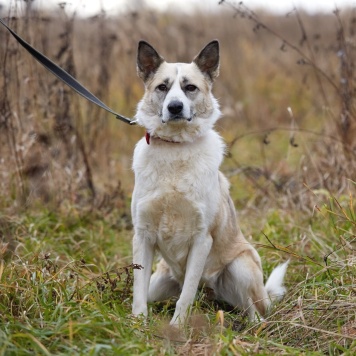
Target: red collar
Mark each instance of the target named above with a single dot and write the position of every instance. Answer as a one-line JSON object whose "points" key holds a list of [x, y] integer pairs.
{"points": [[148, 139]]}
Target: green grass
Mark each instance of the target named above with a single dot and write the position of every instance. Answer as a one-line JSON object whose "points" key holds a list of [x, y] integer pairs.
{"points": [[66, 289], [65, 274]]}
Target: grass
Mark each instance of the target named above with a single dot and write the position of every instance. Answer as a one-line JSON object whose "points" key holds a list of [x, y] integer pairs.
{"points": [[67, 290], [66, 182]]}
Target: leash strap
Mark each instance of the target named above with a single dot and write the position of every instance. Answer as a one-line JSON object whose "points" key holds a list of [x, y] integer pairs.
{"points": [[65, 77]]}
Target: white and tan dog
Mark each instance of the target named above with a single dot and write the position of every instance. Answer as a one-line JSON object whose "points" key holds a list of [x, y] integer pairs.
{"points": [[181, 204]]}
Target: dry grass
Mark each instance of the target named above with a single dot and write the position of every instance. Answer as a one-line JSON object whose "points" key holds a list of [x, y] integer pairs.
{"points": [[55, 141], [66, 181]]}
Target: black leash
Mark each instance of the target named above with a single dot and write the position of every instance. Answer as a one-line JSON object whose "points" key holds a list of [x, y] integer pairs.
{"points": [[65, 77]]}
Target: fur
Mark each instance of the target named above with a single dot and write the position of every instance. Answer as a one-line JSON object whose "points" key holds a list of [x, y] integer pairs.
{"points": [[181, 204]]}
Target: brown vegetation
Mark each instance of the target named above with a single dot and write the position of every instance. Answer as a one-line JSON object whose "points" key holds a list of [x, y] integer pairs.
{"points": [[57, 148], [287, 92]]}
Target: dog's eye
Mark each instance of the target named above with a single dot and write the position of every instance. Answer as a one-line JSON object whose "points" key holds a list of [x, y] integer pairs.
{"points": [[162, 87], [191, 87]]}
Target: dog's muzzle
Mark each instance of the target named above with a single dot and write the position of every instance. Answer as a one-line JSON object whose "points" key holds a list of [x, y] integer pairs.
{"points": [[176, 112]]}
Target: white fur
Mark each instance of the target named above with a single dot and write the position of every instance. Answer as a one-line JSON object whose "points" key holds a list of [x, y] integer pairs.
{"points": [[181, 204], [274, 284]]}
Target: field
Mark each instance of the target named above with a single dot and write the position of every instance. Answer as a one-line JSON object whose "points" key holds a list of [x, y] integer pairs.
{"points": [[287, 91]]}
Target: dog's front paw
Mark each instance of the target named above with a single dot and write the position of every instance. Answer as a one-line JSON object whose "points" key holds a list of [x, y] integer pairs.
{"points": [[178, 320], [175, 323], [139, 310]]}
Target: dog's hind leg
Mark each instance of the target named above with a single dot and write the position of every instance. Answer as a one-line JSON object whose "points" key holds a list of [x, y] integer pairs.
{"points": [[241, 285], [163, 285]]}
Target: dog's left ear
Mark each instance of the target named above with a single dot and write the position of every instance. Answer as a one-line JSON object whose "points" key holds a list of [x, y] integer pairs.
{"points": [[208, 59]]}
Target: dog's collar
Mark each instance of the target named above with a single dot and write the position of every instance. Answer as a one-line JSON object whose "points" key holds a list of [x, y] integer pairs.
{"points": [[148, 138]]}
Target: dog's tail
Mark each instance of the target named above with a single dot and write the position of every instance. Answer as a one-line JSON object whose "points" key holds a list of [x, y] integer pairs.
{"points": [[274, 284]]}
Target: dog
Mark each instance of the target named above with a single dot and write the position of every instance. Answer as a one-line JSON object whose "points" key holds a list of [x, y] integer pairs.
{"points": [[181, 204]]}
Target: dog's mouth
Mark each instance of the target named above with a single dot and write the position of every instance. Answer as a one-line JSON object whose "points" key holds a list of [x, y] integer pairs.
{"points": [[176, 118]]}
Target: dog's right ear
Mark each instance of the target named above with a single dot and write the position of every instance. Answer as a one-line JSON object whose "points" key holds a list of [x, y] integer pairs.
{"points": [[148, 60]]}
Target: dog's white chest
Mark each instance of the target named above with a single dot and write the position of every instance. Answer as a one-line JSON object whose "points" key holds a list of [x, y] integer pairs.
{"points": [[171, 193], [179, 222], [176, 194]]}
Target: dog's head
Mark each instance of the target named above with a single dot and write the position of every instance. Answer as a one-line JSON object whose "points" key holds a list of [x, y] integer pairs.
{"points": [[178, 104]]}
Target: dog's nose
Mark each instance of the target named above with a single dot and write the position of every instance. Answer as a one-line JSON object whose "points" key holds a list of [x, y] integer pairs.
{"points": [[175, 107]]}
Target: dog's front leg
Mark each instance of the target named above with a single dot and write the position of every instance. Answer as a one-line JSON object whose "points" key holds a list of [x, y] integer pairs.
{"points": [[143, 251], [195, 266]]}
